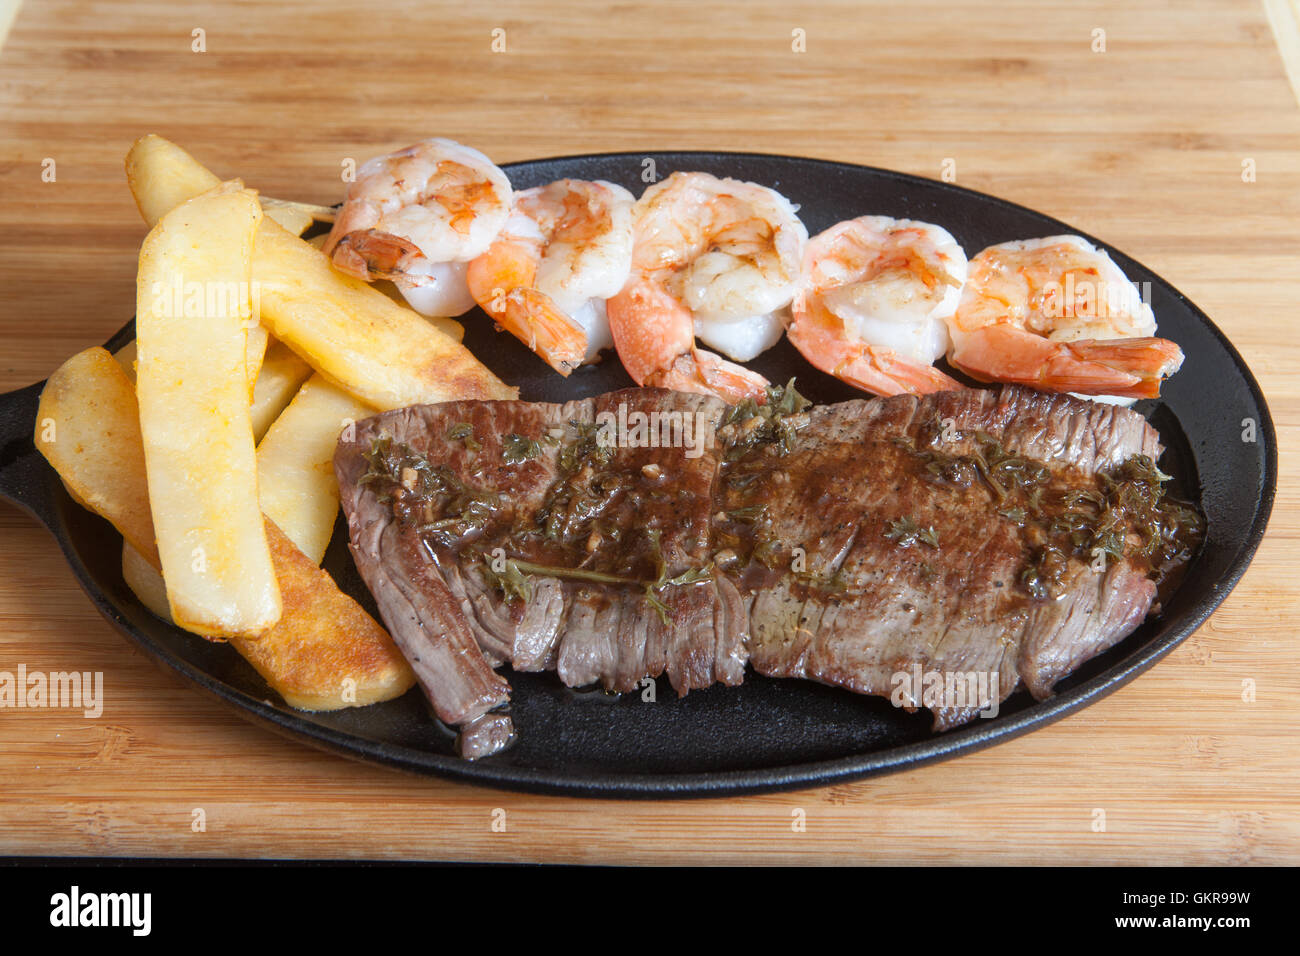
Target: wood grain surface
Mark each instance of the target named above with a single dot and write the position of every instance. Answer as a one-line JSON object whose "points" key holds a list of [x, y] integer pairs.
{"points": [[1144, 144]]}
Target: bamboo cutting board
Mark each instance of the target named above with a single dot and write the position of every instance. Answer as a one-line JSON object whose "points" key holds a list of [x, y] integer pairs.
{"points": [[1170, 130]]}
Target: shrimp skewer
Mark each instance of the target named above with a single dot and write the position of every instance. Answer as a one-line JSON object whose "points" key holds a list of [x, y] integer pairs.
{"points": [[1059, 315], [416, 217], [713, 258], [566, 248], [874, 300]]}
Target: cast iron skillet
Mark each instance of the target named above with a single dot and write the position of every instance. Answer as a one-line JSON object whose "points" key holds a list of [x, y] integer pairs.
{"points": [[767, 734]]}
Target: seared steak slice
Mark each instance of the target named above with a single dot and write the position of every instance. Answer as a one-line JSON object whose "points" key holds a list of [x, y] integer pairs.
{"points": [[861, 491], [1002, 535], [551, 497], [416, 604]]}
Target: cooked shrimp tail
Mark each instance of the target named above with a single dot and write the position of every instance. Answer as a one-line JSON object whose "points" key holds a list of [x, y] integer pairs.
{"points": [[532, 317], [821, 337], [502, 282], [731, 382], [655, 338], [1126, 368], [1151, 359], [371, 255]]}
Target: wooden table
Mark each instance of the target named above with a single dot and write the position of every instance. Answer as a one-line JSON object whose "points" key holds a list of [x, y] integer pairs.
{"points": [[1144, 144]]}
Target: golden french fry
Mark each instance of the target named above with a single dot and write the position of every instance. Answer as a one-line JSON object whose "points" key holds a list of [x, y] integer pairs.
{"points": [[290, 217], [254, 355], [295, 464], [324, 653], [282, 375], [448, 327], [191, 382], [162, 176], [278, 380], [386, 355], [88, 427]]}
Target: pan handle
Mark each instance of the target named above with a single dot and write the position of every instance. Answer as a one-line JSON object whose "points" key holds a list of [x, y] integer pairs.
{"points": [[26, 478]]}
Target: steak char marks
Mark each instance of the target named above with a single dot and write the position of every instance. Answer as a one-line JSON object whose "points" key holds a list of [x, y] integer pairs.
{"points": [[1011, 534]]}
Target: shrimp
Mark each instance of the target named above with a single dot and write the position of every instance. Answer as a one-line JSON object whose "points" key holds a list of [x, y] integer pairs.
{"points": [[713, 258], [416, 217], [874, 300], [566, 248], [1059, 315]]}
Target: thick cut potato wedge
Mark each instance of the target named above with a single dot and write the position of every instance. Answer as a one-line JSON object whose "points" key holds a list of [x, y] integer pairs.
{"points": [[384, 354], [254, 356], [325, 653], [290, 217], [282, 375], [278, 380], [191, 381], [162, 176], [88, 427], [295, 464], [447, 326]]}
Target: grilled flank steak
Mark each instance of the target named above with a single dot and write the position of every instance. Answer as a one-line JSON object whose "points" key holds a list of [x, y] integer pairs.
{"points": [[1011, 533]]}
